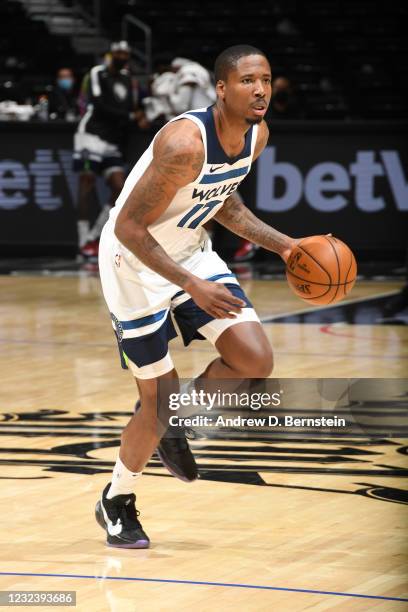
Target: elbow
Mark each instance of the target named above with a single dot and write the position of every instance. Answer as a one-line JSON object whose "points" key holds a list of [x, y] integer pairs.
{"points": [[122, 230], [119, 230], [128, 232]]}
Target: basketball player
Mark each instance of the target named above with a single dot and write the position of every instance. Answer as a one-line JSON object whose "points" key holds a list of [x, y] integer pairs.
{"points": [[100, 140], [157, 267]]}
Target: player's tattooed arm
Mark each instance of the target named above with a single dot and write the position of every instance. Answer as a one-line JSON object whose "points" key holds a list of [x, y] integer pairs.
{"points": [[235, 216], [178, 157]]}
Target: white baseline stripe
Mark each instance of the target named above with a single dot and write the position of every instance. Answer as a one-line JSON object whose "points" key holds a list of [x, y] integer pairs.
{"points": [[310, 310]]}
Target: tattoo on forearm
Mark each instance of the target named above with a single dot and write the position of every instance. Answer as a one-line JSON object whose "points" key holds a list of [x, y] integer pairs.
{"points": [[154, 256], [235, 216], [149, 195]]}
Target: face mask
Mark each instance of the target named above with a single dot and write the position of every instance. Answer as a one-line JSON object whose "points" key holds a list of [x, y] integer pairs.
{"points": [[65, 83], [118, 63], [281, 96]]}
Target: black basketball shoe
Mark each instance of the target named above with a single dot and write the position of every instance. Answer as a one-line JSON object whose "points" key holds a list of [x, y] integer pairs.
{"points": [[175, 454], [118, 516]]}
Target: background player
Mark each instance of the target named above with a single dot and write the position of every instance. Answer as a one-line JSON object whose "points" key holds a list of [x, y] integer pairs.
{"points": [[100, 139], [157, 265]]}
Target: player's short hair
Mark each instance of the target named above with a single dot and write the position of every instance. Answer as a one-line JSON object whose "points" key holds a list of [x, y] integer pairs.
{"points": [[228, 59]]}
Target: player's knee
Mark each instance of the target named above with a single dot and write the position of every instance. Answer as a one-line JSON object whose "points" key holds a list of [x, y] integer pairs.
{"points": [[260, 362], [255, 361]]}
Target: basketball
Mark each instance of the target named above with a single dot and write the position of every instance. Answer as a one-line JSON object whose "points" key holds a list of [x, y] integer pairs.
{"points": [[321, 270]]}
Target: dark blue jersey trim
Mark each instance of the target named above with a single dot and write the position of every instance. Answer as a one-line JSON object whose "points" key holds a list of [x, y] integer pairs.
{"points": [[215, 152], [224, 176]]}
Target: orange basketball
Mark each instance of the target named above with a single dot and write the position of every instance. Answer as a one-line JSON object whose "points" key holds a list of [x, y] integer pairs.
{"points": [[321, 270]]}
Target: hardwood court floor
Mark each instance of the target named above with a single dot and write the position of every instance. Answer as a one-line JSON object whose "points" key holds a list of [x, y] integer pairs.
{"points": [[310, 520]]}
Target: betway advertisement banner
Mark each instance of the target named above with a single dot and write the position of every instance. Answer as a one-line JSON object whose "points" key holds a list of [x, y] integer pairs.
{"points": [[351, 180], [315, 177], [36, 189]]}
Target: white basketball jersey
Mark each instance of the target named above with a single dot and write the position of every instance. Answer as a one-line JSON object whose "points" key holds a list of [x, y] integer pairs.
{"points": [[179, 229]]}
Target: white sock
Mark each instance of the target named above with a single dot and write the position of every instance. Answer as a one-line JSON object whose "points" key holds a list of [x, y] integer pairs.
{"points": [[123, 480], [99, 223], [83, 231]]}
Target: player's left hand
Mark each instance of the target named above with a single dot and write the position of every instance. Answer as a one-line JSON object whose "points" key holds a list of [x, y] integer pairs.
{"points": [[286, 253], [294, 242]]}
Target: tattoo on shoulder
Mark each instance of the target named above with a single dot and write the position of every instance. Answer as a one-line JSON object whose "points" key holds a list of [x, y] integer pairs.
{"points": [[176, 163], [173, 162], [179, 160]]}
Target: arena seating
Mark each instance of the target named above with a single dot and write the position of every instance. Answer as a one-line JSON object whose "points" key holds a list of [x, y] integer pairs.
{"points": [[30, 54], [348, 60]]}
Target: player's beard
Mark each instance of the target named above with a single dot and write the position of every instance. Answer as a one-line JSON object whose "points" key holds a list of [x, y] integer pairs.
{"points": [[254, 121]]}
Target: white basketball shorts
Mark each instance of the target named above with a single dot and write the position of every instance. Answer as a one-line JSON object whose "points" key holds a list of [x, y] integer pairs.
{"points": [[148, 311]]}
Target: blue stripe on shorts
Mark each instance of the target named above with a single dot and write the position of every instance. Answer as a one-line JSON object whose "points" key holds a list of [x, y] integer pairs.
{"points": [[191, 317], [145, 350], [148, 320], [210, 278], [151, 348]]}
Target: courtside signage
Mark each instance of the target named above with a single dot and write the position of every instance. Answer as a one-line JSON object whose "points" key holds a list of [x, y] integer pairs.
{"points": [[330, 186]]}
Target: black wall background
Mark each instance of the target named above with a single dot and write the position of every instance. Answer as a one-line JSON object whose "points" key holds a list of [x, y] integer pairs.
{"points": [[38, 187]]}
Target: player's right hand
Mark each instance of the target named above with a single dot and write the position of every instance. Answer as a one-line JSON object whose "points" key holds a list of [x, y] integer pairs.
{"points": [[216, 299]]}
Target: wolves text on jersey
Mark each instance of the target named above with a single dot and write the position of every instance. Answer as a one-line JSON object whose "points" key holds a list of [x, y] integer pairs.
{"points": [[215, 192]]}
